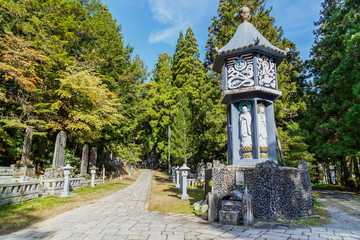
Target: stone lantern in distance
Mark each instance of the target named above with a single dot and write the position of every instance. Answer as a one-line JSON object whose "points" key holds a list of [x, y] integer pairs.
{"points": [[247, 64], [67, 171]]}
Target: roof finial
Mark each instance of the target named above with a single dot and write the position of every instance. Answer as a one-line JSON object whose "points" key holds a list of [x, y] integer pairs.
{"points": [[245, 14]]}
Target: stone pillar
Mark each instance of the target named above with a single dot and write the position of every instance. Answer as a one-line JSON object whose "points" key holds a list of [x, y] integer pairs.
{"points": [[177, 177], [25, 156], [173, 172], [59, 152], [184, 173], [212, 211], [66, 192], [84, 159], [248, 210], [93, 157]]}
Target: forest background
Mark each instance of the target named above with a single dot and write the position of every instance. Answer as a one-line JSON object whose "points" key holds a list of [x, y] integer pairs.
{"points": [[64, 66]]}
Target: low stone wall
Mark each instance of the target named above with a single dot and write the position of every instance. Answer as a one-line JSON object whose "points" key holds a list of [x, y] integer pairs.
{"points": [[278, 192], [11, 193]]}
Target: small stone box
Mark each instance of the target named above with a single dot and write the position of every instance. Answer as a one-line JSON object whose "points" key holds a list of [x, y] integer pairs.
{"points": [[229, 217], [231, 206]]}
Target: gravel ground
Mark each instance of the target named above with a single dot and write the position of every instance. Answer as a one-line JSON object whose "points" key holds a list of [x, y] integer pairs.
{"points": [[344, 211]]}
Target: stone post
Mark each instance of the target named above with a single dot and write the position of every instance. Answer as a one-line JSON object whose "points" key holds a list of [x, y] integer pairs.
{"points": [[173, 172], [184, 173], [103, 173], [177, 177], [59, 152], [212, 212], [84, 159], [93, 174], [248, 210], [93, 157], [67, 171]]}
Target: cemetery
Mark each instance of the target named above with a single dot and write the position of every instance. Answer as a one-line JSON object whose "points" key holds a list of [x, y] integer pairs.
{"points": [[256, 141]]}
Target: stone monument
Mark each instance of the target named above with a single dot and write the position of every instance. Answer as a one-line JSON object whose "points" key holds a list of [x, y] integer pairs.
{"points": [[84, 159], [25, 165], [93, 157], [59, 152], [247, 64]]}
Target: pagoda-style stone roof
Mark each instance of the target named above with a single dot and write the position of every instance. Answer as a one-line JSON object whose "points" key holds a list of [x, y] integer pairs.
{"points": [[247, 39]]}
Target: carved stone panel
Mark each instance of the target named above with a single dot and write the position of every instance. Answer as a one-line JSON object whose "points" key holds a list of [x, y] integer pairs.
{"points": [[266, 71], [240, 71]]}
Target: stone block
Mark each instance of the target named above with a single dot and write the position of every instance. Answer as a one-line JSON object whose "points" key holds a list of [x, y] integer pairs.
{"points": [[229, 217]]}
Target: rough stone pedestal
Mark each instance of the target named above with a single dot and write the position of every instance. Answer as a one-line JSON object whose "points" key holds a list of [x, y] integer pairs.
{"points": [[229, 217]]}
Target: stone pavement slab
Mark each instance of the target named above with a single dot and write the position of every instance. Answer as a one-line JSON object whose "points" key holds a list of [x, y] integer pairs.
{"points": [[124, 215]]}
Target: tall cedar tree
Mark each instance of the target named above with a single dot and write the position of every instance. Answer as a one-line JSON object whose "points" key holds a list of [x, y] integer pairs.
{"points": [[334, 96], [208, 137], [160, 105], [181, 139], [289, 73]]}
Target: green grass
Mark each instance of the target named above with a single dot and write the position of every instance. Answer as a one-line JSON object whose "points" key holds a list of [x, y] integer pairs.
{"points": [[323, 216], [165, 197], [20, 215], [320, 186]]}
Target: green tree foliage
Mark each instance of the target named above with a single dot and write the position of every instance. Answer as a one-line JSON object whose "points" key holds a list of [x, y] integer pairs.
{"points": [[64, 66], [159, 103], [334, 93], [289, 73], [181, 139]]}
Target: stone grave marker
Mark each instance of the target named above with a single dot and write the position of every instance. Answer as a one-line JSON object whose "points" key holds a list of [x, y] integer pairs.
{"points": [[59, 152], [84, 159]]}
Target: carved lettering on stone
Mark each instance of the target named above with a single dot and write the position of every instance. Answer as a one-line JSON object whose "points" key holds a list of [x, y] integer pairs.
{"points": [[84, 159], [59, 152], [266, 71], [240, 71]]}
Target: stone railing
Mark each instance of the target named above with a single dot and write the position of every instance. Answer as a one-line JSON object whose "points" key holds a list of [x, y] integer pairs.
{"points": [[17, 192], [56, 186], [11, 193]]}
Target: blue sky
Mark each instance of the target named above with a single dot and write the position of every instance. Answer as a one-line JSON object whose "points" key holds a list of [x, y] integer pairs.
{"points": [[152, 26]]}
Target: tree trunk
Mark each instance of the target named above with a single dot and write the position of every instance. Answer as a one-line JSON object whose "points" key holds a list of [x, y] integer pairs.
{"points": [[356, 171], [344, 172]]}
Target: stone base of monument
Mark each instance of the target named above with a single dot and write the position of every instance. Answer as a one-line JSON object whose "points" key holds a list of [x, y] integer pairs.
{"points": [[22, 170], [277, 192], [229, 217]]}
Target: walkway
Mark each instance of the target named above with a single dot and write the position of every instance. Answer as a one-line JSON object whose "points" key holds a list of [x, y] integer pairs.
{"points": [[344, 210], [123, 215]]}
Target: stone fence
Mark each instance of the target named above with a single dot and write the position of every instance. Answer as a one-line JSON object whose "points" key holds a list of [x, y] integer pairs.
{"points": [[11, 193], [17, 192]]}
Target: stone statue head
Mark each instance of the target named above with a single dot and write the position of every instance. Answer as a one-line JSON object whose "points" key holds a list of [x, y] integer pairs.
{"points": [[244, 109], [245, 14]]}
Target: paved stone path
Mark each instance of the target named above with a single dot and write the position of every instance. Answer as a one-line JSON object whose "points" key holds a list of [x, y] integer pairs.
{"points": [[123, 215]]}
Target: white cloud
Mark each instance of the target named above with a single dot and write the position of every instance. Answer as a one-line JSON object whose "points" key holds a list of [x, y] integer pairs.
{"points": [[177, 15]]}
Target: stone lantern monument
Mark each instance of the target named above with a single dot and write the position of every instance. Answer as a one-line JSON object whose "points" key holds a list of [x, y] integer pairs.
{"points": [[247, 64]]}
